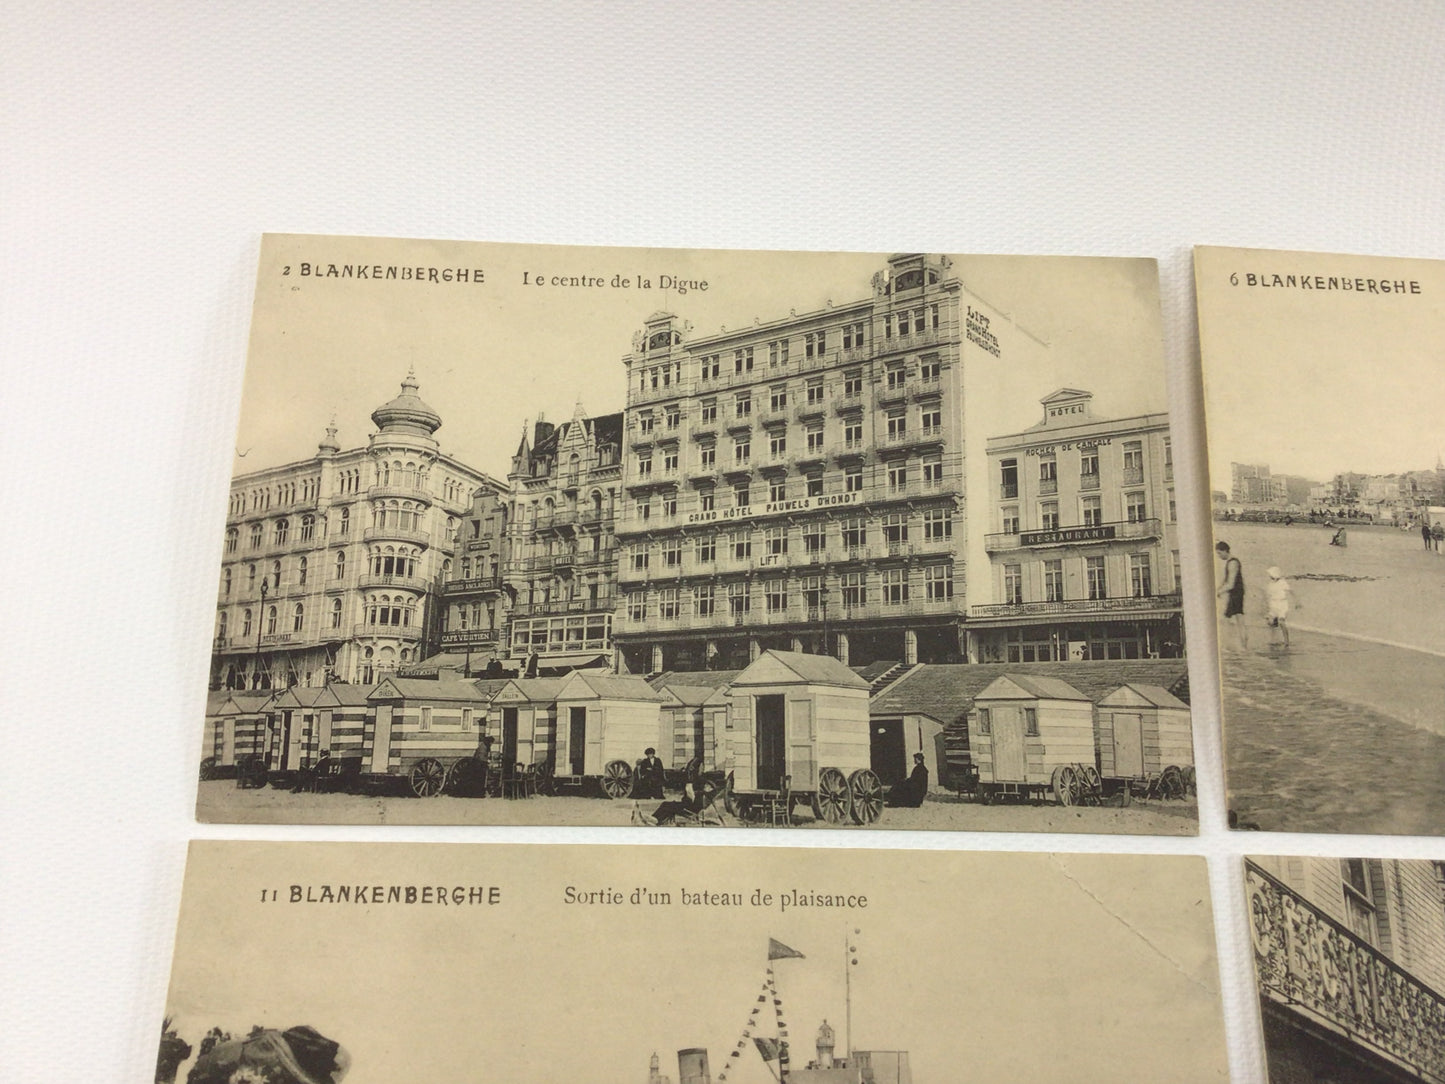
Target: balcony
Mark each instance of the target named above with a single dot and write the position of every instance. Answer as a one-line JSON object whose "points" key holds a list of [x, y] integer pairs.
{"points": [[1089, 480], [808, 410], [391, 579], [704, 430], [890, 393], [553, 607], [593, 558], [1048, 487], [405, 493], [924, 389], [930, 434], [1313, 967], [361, 630], [1118, 531], [848, 404], [556, 519], [1132, 476], [1008, 491], [590, 517], [797, 614], [1149, 604], [770, 416], [396, 534]]}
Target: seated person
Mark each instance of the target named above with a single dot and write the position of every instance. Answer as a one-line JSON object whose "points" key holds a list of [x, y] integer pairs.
{"points": [[695, 798], [909, 794], [649, 775]]}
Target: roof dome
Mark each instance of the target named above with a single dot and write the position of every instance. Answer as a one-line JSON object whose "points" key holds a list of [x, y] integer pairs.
{"points": [[407, 413]]}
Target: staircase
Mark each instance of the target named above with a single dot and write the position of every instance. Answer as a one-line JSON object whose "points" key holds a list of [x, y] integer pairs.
{"points": [[888, 677]]}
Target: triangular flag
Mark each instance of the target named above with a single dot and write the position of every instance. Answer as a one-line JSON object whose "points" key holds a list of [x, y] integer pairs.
{"points": [[768, 1048], [779, 951]]}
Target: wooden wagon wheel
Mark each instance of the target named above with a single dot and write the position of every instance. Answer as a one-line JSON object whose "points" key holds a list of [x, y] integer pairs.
{"points": [[617, 779], [427, 778], [545, 780], [1191, 782], [730, 798], [833, 800], [208, 769], [1171, 782], [1065, 783], [867, 792], [251, 772], [466, 778], [1091, 784]]}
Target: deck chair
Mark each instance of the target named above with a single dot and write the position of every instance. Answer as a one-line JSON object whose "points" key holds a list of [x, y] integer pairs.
{"points": [[777, 809]]}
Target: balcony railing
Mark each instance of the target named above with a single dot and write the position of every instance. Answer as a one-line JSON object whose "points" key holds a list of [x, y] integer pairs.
{"points": [[1315, 967], [396, 534], [1151, 604], [391, 579], [759, 616], [1089, 481], [815, 408], [1132, 476], [844, 404], [1048, 486], [399, 632], [1117, 531], [406, 493]]}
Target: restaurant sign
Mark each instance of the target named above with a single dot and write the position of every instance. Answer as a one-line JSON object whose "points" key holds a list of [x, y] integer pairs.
{"points": [[1066, 535]]}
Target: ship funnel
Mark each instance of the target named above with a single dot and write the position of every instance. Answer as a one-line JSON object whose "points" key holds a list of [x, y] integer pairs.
{"points": [[692, 1066]]}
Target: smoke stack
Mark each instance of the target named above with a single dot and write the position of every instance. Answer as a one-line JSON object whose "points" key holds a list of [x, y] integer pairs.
{"points": [[692, 1066]]}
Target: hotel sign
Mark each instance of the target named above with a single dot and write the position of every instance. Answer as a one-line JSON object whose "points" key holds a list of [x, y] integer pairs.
{"points": [[775, 508], [1066, 535]]}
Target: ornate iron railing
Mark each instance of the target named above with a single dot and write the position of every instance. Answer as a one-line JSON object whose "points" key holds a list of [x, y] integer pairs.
{"points": [[1310, 962]]}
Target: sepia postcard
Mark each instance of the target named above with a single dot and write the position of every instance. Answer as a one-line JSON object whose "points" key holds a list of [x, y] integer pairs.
{"points": [[1349, 955], [306, 963], [1324, 383], [577, 536]]}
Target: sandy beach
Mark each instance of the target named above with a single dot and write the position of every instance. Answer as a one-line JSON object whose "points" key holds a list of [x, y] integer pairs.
{"points": [[1344, 731], [220, 801]]}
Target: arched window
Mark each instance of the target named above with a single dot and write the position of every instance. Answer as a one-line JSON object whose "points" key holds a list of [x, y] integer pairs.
{"points": [[245, 622], [405, 655], [345, 521], [283, 528], [466, 568], [225, 581], [250, 577], [255, 536], [298, 617], [233, 538], [308, 528], [336, 613], [221, 626], [447, 569], [301, 572], [340, 564], [271, 621], [275, 575]]}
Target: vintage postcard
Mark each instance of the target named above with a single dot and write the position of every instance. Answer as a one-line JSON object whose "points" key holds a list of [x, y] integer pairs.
{"points": [[546, 535], [1325, 404], [1349, 954], [304, 963]]}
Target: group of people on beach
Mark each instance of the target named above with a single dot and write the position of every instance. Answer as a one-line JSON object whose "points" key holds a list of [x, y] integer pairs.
{"points": [[1433, 536], [1279, 599]]}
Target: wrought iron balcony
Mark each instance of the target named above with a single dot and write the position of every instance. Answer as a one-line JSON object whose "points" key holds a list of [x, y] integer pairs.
{"points": [[1117, 531], [1147, 604], [1316, 968]]}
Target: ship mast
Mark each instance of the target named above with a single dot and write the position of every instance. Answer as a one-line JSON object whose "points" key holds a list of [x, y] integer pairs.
{"points": [[847, 1000]]}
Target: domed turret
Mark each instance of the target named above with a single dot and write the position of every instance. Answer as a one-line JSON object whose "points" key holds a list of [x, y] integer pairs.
{"points": [[407, 413], [329, 445]]}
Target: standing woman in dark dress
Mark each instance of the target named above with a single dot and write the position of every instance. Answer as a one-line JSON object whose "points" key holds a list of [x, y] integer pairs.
{"points": [[1232, 591], [909, 794]]}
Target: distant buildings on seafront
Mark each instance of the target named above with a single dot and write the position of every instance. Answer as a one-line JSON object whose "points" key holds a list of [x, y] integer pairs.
{"points": [[1401, 497], [798, 484]]}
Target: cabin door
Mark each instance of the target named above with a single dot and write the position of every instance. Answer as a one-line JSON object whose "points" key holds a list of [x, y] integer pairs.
{"points": [[577, 739], [1010, 765], [888, 754], [381, 740], [509, 738], [227, 752], [1128, 745], [768, 718], [283, 754]]}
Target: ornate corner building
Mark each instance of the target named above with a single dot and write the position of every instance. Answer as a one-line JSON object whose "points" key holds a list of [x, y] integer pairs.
{"points": [[331, 564]]}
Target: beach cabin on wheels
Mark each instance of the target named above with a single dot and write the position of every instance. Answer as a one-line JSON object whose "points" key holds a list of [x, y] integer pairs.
{"points": [[235, 731], [605, 723], [1144, 735], [695, 718], [522, 724], [423, 733], [1032, 736], [798, 732]]}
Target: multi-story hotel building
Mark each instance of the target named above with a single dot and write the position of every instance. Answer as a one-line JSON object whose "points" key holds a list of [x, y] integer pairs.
{"points": [[1083, 547], [474, 605], [565, 485], [330, 563], [798, 483], [1350, 958]]}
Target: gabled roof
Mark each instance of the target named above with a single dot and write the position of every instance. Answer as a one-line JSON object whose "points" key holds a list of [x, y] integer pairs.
{"points": [[689, 696], [946, 691], [1152, 694], [701, 679], [1007, 685], [348, 695], [810, 669], [426, 689], [532, 690], [606, 686], [300, 696]]}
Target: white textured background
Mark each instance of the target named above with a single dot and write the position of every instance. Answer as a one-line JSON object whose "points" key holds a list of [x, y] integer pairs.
{"points": [[143, 149]]}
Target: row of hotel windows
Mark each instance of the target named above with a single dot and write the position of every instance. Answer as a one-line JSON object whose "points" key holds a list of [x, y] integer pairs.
{"points": [[348, 480], [892, 589], [1096, 579], [381, 610], [560, 633], [937, 526], [381, 565], [1132, 465], [1091, 512], [399, 515]]}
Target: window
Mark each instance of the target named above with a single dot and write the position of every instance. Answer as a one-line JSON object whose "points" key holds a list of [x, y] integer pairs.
{"points": [[245, 622], [250, 577], [1011, 519], [709, 366], [669, 509], [938, 583], [815, 537], [776, 594], [298, 617], [853, 433], [667, 603], [897, 424], [233, 538], [813, 593], [933, 472], [221, 623], [1139, 578], [852, 336], [707, 413], [778, 398], [814, 389], [742, 546], [778, 446], [255, 536], [778, 489], [1134, 506], [275, 575], [1048, 475], [283, 530], [777, 541], [644, 423], [895, 528], [855, 532], [1089, 465], [644, 466], [1013, 584], [742, 451], [707, 457], [674, 417], [1178, 578], [903, 321], [644, 508], [854, 588], [301, 573], [815, 344], [345, 521], [1133, 456], [1168, 457], [853, 479], [339, 570], [740, 495], [815, 438], [1054, 581], [1008, 478], [672, 553], [703, 603], [1049, 516], [336, 613], [896, 377], [985, 722], [739, 602], [929, 369], [937, 525], [706, 500], [308, 528], [636, 605], [743, 404], [895, 586], [1094, 574], [897, 477], [778, 352], [814, 485], [225, 581], [1093, 511], [705, 550], [1031, 722], [1173, 508], [271, 621], [1360, 910], [931, 419], [669, 462], [853, 384], [743, 360]]}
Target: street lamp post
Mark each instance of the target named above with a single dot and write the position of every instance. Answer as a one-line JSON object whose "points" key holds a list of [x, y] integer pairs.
{"points": [[260, 624]]}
